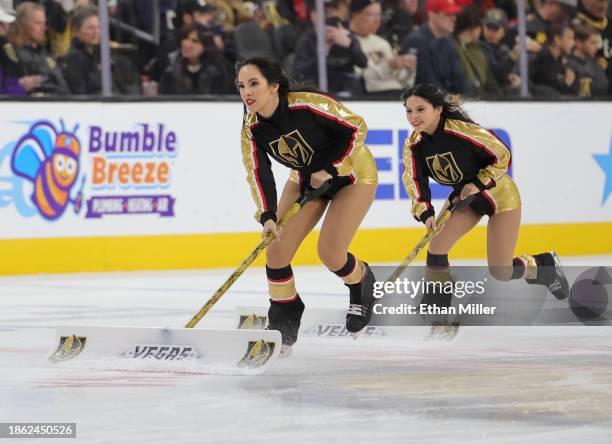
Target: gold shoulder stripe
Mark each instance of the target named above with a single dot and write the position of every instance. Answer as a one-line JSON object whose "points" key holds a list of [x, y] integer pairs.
{"points": [[250, 119], [249, 160], [333, 110], [413, 139], [325, 105], [482, 138], [477, 135]]}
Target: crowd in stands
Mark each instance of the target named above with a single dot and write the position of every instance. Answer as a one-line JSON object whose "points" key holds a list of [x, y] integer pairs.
{"points": [[374, 48]]}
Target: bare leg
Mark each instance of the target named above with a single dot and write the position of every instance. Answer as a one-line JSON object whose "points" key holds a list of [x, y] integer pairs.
{"points": [[345, 213], [502, 234], [286, 307], [458, 225], [279, 254]]}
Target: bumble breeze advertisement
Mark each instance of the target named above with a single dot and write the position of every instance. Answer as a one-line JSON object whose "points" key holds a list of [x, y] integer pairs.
{"points": [[131, 160], [125, 172], [96, 169]]}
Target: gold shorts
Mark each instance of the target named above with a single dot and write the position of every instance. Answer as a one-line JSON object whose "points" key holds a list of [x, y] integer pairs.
{"points": [[504, 196], [360, 167]]}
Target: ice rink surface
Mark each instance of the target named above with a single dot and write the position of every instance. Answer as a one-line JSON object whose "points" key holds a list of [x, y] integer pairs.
{"points": [[488, 385]]}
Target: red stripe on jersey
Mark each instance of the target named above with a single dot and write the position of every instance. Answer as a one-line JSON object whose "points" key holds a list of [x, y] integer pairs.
{"points": [[469, 139], [504, 144], [491, 201], [335, 119]]}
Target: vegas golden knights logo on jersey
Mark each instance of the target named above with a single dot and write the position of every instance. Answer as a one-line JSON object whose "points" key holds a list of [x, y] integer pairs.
{"points": [[293, 149], [444, 168]]}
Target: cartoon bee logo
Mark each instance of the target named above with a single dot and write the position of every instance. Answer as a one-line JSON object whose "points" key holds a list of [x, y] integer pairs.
{"points": [[50, 160]]}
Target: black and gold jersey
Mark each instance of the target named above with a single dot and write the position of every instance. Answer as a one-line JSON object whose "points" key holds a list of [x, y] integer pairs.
{"points": [[308, 132], [457, 153]]}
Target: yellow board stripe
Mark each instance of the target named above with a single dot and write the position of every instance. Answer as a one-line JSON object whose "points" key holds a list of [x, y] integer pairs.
{"points": [[227, 250]]}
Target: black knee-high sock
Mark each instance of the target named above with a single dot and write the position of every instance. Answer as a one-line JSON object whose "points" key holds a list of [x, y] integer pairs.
{"points": [[352, 271], [437, 262]]}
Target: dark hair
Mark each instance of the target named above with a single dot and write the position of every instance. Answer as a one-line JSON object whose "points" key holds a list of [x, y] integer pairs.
{"points": [[556, 30], [451, 104], [270, 69], [203, 34], [584, 32], [469, 17], [81, 14]]}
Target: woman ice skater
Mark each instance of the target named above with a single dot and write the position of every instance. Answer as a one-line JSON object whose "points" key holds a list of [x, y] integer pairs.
{"points": [[318, 138], [449, 147]]}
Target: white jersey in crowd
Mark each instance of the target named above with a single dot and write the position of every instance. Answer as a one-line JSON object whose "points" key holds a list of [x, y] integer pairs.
{"points": [[378, 75]]}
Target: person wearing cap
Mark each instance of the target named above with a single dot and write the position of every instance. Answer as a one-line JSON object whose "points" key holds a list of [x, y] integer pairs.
{"points": [[344, 55], [387, 72], [594, 13], [27, 39], [438, 60], [296, 12], [480, 78], [499, 56]]}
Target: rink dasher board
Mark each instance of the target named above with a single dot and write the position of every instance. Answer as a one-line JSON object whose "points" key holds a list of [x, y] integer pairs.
{"points": [[253, 350]]}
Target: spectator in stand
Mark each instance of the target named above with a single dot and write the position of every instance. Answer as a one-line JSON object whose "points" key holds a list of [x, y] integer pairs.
{"points": [[198, 67], [596, 13], [295, 11], [509, 8], [188, 13], [482, 5], [11, 83], [399, 18], [545, 14], [344, 10], [480, 79], [344, 54], [438, 60], [549, 71], [591, 76], [386, 73], [82, 65], [499, 57], [27, 37], [58, 32]]}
